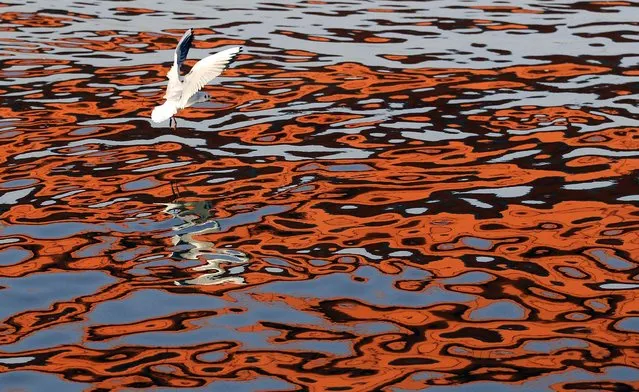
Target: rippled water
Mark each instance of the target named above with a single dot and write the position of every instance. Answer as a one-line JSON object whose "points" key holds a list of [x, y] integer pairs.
{"points": [[382, 196]]}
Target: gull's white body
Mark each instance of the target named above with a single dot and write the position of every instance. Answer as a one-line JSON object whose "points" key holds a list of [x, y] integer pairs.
{"points": [[184, 93]]}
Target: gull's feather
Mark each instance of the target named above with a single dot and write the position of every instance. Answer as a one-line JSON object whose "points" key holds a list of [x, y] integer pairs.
{"points": [[174, 88], [204, 71], [164, 111], [182, 49]]}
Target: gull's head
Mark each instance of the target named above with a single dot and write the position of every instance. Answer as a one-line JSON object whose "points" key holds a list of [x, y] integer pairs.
{"points": [[163, 112]]}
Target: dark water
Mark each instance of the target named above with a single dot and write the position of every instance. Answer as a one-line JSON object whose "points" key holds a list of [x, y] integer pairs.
{"points": [[382, 196]]}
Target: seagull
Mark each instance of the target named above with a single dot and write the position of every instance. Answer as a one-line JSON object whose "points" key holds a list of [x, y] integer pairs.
{"points": [[181, 94]]}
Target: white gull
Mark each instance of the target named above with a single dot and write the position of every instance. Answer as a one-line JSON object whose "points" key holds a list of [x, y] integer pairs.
{"points": [[181, 94]]}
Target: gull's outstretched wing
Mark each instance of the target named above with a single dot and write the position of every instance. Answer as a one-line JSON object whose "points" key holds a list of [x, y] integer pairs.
{"points": [[204, 71], [174, 88], [182, 49]]}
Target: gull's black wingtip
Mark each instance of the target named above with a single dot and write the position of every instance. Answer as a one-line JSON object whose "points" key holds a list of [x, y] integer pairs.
{"points": [[183, 47]]}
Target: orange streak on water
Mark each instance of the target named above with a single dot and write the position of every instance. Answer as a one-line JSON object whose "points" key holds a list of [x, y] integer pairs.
{"points": [[401, 225]]}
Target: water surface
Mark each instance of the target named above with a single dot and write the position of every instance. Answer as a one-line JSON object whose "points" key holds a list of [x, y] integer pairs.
{"points": [[381, 196]]}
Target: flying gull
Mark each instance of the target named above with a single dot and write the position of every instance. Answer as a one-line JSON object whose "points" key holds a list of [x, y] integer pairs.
{"points": [[181, 94]]}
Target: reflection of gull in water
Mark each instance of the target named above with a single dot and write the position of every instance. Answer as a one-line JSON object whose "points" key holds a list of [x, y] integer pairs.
{"points": [[182, 94], [196, 218]]}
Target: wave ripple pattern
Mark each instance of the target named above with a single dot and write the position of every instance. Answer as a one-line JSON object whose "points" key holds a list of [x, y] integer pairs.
{"points": [[380, 196]]}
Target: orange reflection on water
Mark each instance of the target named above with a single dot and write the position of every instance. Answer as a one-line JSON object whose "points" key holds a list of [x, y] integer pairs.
{"points": [[330, 221]]}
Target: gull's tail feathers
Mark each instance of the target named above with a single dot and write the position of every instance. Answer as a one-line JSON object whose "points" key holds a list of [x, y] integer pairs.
{"points": [[164, 111]]}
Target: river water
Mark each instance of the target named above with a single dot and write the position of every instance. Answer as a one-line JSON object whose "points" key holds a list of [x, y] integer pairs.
{"points": [[380, 196]]}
